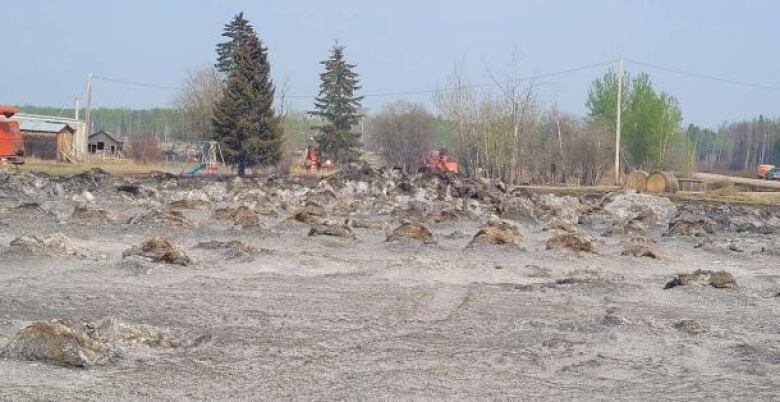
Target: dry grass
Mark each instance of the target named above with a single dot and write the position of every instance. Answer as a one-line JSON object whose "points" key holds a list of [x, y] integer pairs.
{"points": [[119, 167], [724, 188], [747, 197], [300, 171]]}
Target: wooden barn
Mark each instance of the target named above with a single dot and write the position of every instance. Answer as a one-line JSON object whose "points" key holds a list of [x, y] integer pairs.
{"points": [[47, 140], [105, 144]]}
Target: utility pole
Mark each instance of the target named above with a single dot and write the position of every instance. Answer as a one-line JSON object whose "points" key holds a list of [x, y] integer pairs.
{"points": [[89, 105], [76, 108], [617, 121]]}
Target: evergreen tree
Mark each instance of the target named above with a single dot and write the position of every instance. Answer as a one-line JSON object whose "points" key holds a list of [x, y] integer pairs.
{"points": [[244, 120], [338, 108], [237, 31]]}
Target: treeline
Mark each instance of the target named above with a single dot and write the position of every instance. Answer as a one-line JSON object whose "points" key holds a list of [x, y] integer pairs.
{"points": [[737, 146], [167, 123]]}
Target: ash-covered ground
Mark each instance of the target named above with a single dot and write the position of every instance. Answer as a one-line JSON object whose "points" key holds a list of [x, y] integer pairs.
{"points": [[371, 285]]}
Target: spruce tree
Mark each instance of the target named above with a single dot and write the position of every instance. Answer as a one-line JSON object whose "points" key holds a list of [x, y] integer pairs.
{"points": [[339, 109], [237, 31], [244, 120]]}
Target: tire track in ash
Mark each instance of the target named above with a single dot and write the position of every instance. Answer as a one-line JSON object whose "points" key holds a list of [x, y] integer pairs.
{"points": [[437, 304], [441, 304]]}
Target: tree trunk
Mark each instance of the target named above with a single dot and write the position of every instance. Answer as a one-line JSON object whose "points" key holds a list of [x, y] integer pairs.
{"points": [[241, 167]]}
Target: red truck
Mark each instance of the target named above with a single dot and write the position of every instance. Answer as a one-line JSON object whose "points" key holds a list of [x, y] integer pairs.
{"points": [[11, 142]]}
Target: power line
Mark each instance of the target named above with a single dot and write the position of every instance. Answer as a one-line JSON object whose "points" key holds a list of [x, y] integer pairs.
{"points": [[485, 85], [705, 76], [391, 94], [135, 83]]}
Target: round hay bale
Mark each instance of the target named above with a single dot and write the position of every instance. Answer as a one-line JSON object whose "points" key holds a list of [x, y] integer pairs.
{"points": [[637, 180], [662, 182]]}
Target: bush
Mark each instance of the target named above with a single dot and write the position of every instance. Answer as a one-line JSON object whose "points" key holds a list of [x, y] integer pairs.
{"points": [[145, 148], [403, 133]]}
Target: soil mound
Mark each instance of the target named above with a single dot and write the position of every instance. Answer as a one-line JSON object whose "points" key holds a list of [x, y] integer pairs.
{"points": [[310, 214], [159, 249], [332, 229], [71, 343], [716, 279], [189, 204], [571, 241], [412, 231], [52, 244], [243, 217], [497, 232], [162, 216], [646, 207], [442, 216], [90, 213], [687, 225], [639, 250], [568, 208], [233, 248]]}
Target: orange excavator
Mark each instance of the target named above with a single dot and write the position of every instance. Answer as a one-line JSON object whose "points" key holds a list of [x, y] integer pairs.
{"points": [[440, 161], [11, 142], [312, 158]]}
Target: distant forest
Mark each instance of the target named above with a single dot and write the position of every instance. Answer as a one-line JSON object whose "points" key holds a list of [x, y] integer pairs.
{"points": [[166, 123]]}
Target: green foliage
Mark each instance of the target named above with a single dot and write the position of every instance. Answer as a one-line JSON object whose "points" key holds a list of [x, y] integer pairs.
{"points": [[444, 133], [298, 130], [339, 109], [237, 31], [651, 119], [244, 120]]}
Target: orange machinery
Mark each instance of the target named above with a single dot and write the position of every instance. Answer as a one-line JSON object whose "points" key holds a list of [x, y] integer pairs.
{"points": [[11, 142], [762, 170], [311, 158], [440, 161]]}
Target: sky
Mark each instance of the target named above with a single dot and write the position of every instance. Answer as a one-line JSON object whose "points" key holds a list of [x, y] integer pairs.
{"points": [[50, 46]]}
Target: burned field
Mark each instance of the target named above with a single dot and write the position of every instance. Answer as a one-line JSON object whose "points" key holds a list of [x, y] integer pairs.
{"points": [[374, 285]]}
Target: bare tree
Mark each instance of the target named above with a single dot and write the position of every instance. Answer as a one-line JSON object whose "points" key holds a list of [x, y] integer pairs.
{"points": [[145, 148], [455, 101], [283, 99], [196, 101], [496, 128], [403, 134]]}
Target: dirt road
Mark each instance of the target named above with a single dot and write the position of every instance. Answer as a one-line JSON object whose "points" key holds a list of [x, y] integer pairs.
{"points": [[712, 177]]}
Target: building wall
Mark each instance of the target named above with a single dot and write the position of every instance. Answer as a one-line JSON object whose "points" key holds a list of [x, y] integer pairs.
{"points": [[78, 151], [40, 145], [106, 140], [79, 147], [48, 146]]}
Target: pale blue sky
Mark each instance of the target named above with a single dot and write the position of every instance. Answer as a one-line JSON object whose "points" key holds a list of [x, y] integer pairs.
{"points": [[50, 46]]}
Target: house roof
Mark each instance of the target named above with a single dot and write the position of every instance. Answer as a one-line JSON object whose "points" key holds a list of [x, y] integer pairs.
{"points": [[44, 126], [114, 137]]}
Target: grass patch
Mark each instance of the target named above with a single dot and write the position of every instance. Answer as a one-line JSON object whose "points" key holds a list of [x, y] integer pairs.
{"points": [[746, 198], [118, 167]]}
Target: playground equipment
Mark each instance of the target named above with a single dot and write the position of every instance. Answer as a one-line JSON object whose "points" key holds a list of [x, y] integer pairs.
{"points": [[208, 158]]}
